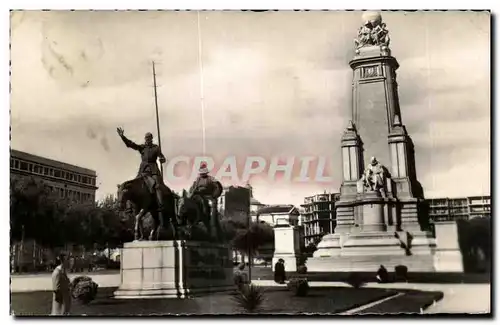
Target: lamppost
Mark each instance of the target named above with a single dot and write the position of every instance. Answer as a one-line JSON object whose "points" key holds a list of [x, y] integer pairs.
{"points": [[249, 240]]}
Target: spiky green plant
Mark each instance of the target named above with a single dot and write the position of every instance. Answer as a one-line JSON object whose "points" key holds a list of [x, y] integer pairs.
{"points": [[249, 298]]}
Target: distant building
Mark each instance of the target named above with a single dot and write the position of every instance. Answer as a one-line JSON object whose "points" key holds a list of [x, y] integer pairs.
{"points": [[68, 181], [272, 214], [464, 208], [255, 205], [234, 203], [318, 216]]}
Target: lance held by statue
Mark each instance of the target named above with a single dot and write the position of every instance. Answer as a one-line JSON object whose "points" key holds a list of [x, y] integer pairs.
{"points": [[147, 192]]}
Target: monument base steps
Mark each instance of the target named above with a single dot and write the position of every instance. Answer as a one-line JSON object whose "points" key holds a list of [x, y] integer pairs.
{"points": [[366, 251], [370, 263]]}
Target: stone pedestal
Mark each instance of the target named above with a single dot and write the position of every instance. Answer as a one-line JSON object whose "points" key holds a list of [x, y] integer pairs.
{"points": [[448, 257], [373, 212], [174, 269], [286, 246]]}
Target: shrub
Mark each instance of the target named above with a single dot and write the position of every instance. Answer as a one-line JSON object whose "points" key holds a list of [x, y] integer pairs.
{"points": [[401, 273], [355, 280], [382, 275], [240, 279], [298, 286], [249, 298], [83, 289], [302, 269]]}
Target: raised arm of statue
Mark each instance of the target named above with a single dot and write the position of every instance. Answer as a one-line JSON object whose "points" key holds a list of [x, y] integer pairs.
{"points": [[128, 143]]}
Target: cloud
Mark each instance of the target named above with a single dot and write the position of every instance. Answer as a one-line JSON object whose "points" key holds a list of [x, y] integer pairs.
{"points": [[91, 133]]}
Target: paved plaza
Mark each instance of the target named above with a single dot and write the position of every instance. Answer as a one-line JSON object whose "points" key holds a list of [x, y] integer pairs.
{"points": [[452, 302]]}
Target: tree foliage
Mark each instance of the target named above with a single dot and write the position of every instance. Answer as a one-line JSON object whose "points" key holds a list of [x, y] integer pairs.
{"points": [[244, 238], [475, 236], [37, 213]]}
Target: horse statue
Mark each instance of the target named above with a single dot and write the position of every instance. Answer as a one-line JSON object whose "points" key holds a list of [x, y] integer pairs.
{"points": [[195, 208], [142, 201]]}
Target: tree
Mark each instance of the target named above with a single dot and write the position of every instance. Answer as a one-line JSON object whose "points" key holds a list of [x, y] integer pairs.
{"points": [[35, 211], [118, 226], [39, 214], [250, 239], [475, 236]]}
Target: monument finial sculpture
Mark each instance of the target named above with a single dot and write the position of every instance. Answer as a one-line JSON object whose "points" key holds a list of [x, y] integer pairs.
{"points": [[373, 32]]}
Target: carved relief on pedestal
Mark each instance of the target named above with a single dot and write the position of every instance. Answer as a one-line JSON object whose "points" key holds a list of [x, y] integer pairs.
{"points": [[370, 72]]}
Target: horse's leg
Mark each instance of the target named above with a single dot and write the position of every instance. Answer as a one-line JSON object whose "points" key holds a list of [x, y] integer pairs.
{"points": [[207, 218], [213, 219], [172, 218], [138, 225], [141, 225], [158, 226], [154, 229]]}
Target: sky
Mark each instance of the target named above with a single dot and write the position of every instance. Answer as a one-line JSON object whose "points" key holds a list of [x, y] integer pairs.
{"points": [[273, 84]]}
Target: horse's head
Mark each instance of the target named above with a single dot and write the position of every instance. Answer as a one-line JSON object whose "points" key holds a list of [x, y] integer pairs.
{"points": [[123, 195], [184, 204]]}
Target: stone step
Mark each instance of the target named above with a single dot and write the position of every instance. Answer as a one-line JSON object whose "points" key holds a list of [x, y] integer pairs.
{"points": [[369, 263]]}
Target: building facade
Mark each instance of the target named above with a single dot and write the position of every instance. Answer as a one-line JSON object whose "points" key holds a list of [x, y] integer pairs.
{"points": [[68, 181], [274, 214], [318, 216], [318, 212], [464, 208], [234, 203]]}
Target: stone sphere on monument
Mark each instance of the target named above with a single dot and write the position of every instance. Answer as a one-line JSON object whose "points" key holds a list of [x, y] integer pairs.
{"points": [[374, 17]]}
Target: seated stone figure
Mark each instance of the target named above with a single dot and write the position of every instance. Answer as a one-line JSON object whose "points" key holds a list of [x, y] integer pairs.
{"points": [[374, 178]]}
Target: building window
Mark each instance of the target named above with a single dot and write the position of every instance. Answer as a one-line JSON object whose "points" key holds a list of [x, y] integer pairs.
{"points": [[57, 173], [30, 168], [24, 165], [16, 164], [45, 171]]}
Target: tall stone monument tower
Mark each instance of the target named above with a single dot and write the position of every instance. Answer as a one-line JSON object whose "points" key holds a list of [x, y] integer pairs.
{"points": [[380, 219]]}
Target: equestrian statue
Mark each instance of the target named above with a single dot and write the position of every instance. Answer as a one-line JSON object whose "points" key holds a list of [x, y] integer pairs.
{"points": [[147, 192], [199, 204]]}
